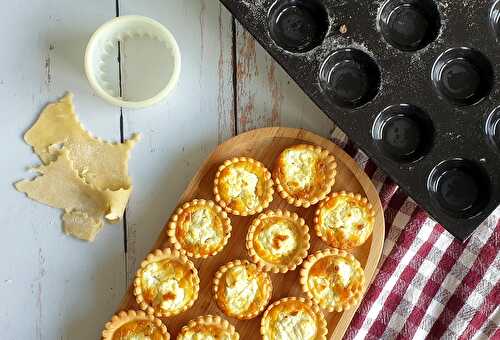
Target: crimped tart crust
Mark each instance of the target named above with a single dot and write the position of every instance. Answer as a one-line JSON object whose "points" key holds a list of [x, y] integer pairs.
{"points": [[199, 228], [166, 284], [344, 220], [304, 174], [293, 318], [241, 290], [334, 279], [243, 186], [278, 241], [134, 325], [208, 327]]}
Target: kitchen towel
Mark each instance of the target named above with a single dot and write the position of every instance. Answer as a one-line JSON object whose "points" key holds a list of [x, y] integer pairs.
{"points": [[429, 285]]}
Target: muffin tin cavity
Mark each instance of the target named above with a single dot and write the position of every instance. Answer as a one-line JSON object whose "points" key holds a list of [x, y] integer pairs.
{"points": [[463, 76], [495, 19], [298, 25], [404, 133], [350, 78], [409, 25], [493, 127], [460, 187], [411, 82]]}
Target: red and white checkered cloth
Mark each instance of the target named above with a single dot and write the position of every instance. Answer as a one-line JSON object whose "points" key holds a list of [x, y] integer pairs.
{"points": [[429, 285]]}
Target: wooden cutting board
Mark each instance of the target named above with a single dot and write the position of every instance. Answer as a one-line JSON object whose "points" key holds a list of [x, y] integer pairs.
{"points": [[265, 145]]}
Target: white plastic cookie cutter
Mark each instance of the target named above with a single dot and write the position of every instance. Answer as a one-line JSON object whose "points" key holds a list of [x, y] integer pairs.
{"points": [[100, 60]]}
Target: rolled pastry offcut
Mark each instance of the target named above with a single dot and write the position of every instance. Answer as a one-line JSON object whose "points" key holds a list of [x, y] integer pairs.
{"points": [[81, 174], [100, 163], [84, 206]]}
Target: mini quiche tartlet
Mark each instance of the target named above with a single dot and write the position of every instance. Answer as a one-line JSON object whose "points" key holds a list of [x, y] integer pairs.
{"points": [[293, 318], [344, 220], [208, 327], [333, 279], [278, 241], [241, 290], [166, 284], [304, 174], [243, 186], [134, 325], [199, 229]]}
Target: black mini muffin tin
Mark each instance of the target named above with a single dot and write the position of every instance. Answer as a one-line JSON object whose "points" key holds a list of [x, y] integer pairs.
{"points": [[414, 83]]}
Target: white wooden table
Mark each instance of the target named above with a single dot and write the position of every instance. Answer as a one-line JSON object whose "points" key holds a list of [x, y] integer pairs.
{"points": [[53, 286]]}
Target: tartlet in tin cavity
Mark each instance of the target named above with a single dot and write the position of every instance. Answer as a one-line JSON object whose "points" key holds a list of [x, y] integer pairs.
{"points": [[332, 278], [344, 220], [243, 186], [208, 327], [134, 325], [166, 284], [241, 290], [199, 228], [278, 241], [293, 318], [304, 174]]}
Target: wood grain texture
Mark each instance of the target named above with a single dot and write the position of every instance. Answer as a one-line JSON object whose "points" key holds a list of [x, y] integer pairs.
{"points": [[179, 132], [225, 73], [267, 96], [265, 145], [51, 286], [59, 288]]}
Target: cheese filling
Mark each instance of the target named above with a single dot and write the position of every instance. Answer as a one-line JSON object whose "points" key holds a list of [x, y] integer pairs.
{"points": [[279, 239], [140, 336], [299, 168], [344, 215], [325, 285], [322, 289], [191, 335], [138, 330], [243, 185], [205, 332], [201, 231], [170, 295], [295, 326], [161, 284], [344, 273], [241, 289]]}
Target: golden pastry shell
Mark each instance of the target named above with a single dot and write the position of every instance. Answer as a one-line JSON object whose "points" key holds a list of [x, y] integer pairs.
{"points": [[269, 187], [220, 274], [159, 255], [172, 226], [341, 244], [124, 317], [326, 187], [303, 229], [355, 296], [320, 320], [208, 320]]}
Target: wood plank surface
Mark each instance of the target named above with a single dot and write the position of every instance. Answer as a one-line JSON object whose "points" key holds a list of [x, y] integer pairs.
{"points": [[179, 132], [60, 288], [267, 96], [51, 286], [265, 145]]}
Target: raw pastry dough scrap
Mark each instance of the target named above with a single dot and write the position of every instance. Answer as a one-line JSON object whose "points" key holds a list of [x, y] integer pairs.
{"points": [[80, 225], [102, 164], [83, 175], [59, 186]]}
